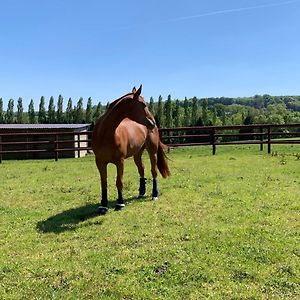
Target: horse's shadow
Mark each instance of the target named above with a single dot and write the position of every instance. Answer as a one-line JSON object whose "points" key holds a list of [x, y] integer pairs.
{"points": [[69, 220]]}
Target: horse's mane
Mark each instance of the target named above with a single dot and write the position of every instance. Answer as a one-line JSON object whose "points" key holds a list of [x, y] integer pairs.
{"points": [[111, 105]]}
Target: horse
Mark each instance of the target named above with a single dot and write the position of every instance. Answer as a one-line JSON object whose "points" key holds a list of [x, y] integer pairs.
{"points": [[126, 129]]}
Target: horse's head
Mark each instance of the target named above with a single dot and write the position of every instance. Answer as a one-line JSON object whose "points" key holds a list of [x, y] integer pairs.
{"points": [[139, 111]]}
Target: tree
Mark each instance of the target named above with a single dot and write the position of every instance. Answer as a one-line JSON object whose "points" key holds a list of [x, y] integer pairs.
{"points": [[267, 100], [42, 117], [186, 112], [205, 111], [20, 112], [258, 101], [79, 111], [107, 106], [176, 114], [195, 111], [10, 112], [69, 112], [247, 121], [151, 105], [31, 112], [59, 112], [1, 112], [51, 111], [89, 111], [97, 112], [214, 116], [74, 114], [275, 119], [168, 112], [159, 113]]}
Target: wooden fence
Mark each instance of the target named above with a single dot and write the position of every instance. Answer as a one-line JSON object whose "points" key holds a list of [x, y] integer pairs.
{"points": [[51, 143], [232, 135], [55, 143]]}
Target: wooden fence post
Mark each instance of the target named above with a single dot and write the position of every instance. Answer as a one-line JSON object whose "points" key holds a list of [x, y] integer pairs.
{"points": [[269, 139], [0, 149], [78, 145], [56, 147], [213, 141], [261, 139]]}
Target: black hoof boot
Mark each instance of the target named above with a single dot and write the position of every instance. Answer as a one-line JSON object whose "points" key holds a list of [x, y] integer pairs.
{"points": [[142, 189], [155, 190], [102, 210], [119, 207]]}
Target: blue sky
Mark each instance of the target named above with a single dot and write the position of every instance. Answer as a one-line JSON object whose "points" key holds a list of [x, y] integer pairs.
{"points": [[100, 49]]}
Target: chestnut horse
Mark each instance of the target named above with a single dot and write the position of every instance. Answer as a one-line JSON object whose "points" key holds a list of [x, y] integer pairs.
{"points": [[125, 130]]}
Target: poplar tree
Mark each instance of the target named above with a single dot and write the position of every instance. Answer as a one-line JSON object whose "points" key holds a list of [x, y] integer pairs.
{"points": [[31, 112], [59, 113], [42, 117], [168, 112], [20, 112], [74, 114], [79, 111], [195, 111], [186, 111], [159, 113], [89, 111], [1, 112], [10, 112], [151, 105], [51, 111], [69, 112], [176, 114], [97, 112]]}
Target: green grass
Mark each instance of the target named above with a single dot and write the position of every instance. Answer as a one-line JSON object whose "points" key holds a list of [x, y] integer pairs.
{"points": [[224, 227]]}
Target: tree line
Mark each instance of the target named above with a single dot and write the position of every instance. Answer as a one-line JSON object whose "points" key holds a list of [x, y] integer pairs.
{"points": [[259, 109], [51, 113]]}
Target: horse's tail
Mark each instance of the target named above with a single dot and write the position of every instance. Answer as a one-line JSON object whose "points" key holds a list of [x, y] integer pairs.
{"points": [[162, 160]]}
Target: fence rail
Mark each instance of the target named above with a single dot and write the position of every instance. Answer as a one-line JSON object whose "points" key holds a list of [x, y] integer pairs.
{"points": [[56, 143]]}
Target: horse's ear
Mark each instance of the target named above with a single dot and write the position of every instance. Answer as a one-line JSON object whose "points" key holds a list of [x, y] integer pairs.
{"points": [[138, 92], [134, 90]]}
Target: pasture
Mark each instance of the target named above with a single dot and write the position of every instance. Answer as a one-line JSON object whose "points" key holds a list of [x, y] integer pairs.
{"points": [[224, 227]]}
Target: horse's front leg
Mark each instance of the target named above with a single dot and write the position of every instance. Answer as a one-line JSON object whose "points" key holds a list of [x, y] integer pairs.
{"points": [[102, 167], [119, 183]]}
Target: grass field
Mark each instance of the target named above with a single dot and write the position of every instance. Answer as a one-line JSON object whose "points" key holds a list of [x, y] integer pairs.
{"points": [[224, 227]]}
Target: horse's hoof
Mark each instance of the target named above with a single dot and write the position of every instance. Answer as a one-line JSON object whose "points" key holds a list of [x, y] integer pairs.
{"points": [[102, 210], [119, 207], [154, 198]]}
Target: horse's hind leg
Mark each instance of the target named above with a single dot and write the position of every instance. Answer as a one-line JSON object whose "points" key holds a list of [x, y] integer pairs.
{"points": [[140, 166], [153, 160], [119, 183], [102, 167]]}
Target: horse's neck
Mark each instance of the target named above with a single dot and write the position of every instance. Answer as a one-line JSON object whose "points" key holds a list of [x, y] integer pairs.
{"points": [[110, 121]]}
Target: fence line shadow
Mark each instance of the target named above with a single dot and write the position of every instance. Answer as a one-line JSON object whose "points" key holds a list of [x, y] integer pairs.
{"points": [[68, 220]]}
